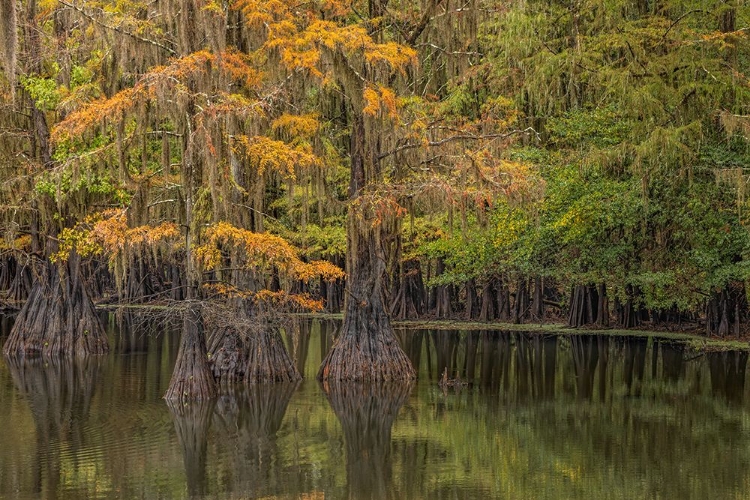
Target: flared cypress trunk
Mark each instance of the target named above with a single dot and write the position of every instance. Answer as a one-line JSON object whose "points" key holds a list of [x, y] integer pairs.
{"points": [[268, 359], [227, 355], [59, 317], [192, 378], [249, 349], [366, 349]]}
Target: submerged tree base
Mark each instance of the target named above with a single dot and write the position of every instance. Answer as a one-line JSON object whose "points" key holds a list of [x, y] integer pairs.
{"points": [[255, 357], [366, 351], [248, 348], [192, 378], [58, 318]]}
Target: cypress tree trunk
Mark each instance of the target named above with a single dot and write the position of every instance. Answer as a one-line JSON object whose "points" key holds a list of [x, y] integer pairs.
{"points": [[268, 359], [367, 349], [487, 310], [245, 346], [537, 302], [602, 318], [227, 355], [59, 317], [192, 378], [584, 306], [409, 300]]}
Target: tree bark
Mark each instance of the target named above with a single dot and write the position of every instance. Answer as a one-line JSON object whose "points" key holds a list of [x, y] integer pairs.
{"points": [[59, 317], [192, 378], [367, 349]]}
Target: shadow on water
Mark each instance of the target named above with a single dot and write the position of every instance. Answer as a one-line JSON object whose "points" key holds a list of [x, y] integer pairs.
{"points": [[59, 392], [366, 413]]}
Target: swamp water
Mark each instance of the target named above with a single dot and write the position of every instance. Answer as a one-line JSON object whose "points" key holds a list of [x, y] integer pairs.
{"points": [[545, 417]]}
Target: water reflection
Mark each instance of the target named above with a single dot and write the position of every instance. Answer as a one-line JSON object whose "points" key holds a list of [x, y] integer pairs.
{"points": [[191, 422], [728, 374], [366, 413], [545, 416], [59, 392], [246, 423]]}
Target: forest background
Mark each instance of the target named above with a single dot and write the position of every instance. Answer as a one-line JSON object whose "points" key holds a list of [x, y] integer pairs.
{"points": [[521, 161]]}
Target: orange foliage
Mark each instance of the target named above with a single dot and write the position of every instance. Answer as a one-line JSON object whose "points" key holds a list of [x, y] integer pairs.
{"points": [[177, 77], [113, 234], [380, 99], [278, 299], [262, 252], [305, 126]]}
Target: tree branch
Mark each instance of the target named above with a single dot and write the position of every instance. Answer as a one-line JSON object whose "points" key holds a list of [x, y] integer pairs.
{"points": [[459, 137], [116, 29]]}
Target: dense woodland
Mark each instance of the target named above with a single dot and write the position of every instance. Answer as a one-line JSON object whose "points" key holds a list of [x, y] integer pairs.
{"points": [[521, 161]]}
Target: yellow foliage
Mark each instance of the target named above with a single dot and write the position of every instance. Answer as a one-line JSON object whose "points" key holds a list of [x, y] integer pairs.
{"points": [[304, 126], [277, 156]]}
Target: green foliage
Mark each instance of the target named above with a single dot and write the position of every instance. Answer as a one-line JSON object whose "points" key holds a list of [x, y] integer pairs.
{"points": [[44, 91]]}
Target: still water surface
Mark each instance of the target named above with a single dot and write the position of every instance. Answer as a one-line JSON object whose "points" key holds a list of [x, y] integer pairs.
{"points": [[546, 417]]}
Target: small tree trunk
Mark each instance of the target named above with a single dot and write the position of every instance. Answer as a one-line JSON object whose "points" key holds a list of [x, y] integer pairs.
{"points": [[602, 318], [537, 302], [487, 311], [471, 298]]}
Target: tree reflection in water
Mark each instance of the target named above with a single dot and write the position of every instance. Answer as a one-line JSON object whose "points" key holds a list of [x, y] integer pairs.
{"points": [[191, 422], [59, 391], [366, 413], [247, 421]]}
